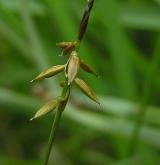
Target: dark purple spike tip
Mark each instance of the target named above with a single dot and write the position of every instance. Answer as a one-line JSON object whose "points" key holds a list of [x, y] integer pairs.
{"points": [[85, 18]]}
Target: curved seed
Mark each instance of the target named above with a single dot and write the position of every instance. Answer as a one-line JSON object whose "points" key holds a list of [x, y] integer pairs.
{"points": [[87, 68], [50, 106], [72, 67], [86, 90], [49, 72]]}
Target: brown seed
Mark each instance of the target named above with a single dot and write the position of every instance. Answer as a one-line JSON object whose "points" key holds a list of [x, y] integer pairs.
{"points": [[72, 67], [49, 72], [86, 90], [87, 68], [51, 105], [68, 47]]}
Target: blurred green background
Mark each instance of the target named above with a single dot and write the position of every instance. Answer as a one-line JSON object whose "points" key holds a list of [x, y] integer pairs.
{"points": [[122, 43]]}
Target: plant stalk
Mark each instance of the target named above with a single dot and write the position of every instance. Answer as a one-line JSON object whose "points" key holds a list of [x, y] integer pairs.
{"points": [[56, 122], [52, 135], [66, 89]]}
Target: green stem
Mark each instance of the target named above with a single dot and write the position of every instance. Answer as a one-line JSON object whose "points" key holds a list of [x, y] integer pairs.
{"points": [[66, 89], [52, 135], [55, 124]]}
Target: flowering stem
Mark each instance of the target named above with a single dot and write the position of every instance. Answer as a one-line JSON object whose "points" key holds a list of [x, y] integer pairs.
{"points": [[52, 135], [66, 89], [56, 122]]}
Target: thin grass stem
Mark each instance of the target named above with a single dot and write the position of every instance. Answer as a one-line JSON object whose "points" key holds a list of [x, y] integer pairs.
{"points": [[52, 135], [66, 89]]}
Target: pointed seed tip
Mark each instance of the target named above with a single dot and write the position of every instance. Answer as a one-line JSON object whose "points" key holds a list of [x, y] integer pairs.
{"points": [[31, 118], [32, 81]]}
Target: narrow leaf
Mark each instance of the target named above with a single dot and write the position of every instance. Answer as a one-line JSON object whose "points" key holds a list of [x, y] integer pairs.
{"points": [[86, 90], [49, 72]]}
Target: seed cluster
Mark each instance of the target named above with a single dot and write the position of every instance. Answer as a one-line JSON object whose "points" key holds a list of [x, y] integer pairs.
{"points": [[70, 69]]}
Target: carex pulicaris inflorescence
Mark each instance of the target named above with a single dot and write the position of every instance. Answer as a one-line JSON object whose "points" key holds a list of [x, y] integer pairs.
{"points": [[70, 69]]}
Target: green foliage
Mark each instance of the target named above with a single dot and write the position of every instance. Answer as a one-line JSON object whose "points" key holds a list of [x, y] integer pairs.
{"points": [[122, 43]]}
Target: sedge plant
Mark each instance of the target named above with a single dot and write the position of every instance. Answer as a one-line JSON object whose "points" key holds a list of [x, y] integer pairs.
{"points": [[70, 70]]}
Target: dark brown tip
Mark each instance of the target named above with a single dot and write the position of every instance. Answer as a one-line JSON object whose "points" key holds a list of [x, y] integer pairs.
{"points": [[85, 18]]}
